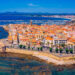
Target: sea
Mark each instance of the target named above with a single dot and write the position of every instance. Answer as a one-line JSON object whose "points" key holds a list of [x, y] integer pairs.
{"points": [[39, 20], [20, 66], [3, 33]]}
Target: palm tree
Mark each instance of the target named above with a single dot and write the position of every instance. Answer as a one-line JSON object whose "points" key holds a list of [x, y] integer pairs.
{"points": [[41, 48], [71, 51], [50, 49], [24, 47], [38, 48], [57, 50], [61, 50], [67, 50], [20, 46]]}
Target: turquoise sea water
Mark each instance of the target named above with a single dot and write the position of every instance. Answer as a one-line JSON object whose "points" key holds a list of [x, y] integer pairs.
{"points": [[19, 66]]}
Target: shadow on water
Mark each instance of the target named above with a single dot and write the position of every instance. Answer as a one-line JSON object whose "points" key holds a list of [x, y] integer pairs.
{"points": [[3, 33]]}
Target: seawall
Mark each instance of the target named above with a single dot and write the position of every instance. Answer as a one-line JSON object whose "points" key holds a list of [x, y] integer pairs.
{"points": [[48, 57]]}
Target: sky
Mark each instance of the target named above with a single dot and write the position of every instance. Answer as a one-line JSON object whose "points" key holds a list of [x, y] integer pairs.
{"points": [[43, 6]]}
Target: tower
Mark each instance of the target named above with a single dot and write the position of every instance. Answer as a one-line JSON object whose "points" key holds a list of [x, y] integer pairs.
{"points": [[31, 22], [18, 38]]}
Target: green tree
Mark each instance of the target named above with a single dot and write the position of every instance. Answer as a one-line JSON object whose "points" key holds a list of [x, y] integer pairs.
{"points": [[71, 51], [38, 48], [61, 50], [67, 50], [20, 46], [50, 49], [24, 46], [41, 48], [57, 50]]}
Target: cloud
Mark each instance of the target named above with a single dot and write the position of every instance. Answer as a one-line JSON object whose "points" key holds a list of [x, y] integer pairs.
{"points": [[31, 4]]}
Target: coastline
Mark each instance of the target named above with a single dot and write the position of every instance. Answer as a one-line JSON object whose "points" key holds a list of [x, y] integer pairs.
{"points": [[42, 56]]}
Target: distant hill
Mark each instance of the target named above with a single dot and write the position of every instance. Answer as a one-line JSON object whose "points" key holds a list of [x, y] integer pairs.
{"points": [[22, 13]]}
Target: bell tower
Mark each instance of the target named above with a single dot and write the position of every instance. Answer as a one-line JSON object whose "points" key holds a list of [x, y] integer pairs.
{"points": [[31, 22]]}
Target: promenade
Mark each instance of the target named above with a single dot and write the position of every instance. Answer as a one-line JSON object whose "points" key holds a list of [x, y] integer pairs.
{"points": [[47, 57]]}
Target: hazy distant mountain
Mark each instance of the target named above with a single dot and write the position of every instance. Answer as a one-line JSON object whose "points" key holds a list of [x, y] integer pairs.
{"points": [[22, 13]]}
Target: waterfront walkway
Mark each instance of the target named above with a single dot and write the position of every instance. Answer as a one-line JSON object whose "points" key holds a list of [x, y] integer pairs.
{"points": [[47, 57]]}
